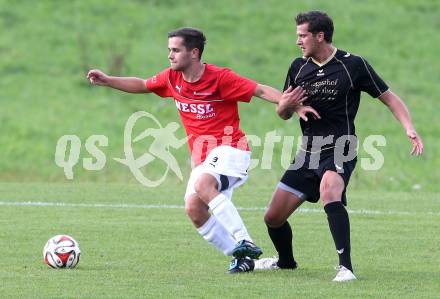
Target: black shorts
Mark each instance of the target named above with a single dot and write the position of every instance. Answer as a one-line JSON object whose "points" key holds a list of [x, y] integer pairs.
{"points": [[307, 178]]}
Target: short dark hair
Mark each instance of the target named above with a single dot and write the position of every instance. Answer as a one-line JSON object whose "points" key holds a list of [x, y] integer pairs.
{"points": [[192, 38], [318, 21]]}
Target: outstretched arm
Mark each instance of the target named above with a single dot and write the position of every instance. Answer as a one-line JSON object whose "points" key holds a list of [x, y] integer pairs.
{"points": [[400, 111], [267, 93], [127, 84]]}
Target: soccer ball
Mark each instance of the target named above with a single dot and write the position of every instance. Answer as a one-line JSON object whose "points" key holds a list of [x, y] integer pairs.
{"points": [[61, 251]]}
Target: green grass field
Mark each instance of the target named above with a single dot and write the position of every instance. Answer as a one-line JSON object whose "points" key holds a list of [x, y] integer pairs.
{"points": [[148, 248], [137, 241]]}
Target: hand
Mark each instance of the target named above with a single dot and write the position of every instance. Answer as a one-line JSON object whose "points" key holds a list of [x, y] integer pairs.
{"points": [[293, 97], [303, 110], [96, 77], [416, 141]]}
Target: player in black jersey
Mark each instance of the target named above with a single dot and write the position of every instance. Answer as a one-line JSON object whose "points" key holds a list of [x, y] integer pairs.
{"points": [[332, 80]]}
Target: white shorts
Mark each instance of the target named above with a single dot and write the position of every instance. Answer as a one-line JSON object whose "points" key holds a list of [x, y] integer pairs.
{"points": [[228, 165]]}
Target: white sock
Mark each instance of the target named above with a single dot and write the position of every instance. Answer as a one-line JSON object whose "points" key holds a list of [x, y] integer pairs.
{"points": [[216, 234], [226, 213]]}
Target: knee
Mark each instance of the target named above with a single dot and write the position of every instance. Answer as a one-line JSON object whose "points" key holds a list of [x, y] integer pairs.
{"points": [[331, 188], [190, 210], [272, 219], [330, 194], [198, 215]]}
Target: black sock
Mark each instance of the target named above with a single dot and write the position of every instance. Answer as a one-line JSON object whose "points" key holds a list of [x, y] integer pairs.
{"points": [[282, 239], [339, 224]]}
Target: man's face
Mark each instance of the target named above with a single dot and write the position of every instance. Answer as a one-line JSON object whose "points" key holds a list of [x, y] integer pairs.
{"points": [[306, 40], [180, 58]]}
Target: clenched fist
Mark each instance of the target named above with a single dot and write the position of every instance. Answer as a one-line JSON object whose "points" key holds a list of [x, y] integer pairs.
{"points": [[97, 77]]}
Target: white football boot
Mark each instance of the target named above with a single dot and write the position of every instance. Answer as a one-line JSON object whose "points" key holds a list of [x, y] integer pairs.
{"points": [[343, 274], [267, 263]]}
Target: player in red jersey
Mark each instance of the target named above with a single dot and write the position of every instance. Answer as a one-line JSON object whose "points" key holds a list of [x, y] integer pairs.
{"points": [[206, 97]]}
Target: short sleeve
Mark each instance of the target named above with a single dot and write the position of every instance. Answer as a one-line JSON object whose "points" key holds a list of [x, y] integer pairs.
{"points": [[288, 81], [293, 71], [159, 84], [369, 81], [236, 88]]}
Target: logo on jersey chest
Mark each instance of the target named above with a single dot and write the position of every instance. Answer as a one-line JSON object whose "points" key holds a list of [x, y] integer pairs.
{"points": [[324, 90], [320, 73], [326, 82], [202, 110]]}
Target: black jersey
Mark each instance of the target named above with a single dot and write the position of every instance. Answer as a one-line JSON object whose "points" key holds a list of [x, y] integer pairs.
{"points": [[333, 89]]}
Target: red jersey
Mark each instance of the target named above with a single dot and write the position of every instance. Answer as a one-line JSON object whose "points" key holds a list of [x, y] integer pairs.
{"points": [[208, 107]]}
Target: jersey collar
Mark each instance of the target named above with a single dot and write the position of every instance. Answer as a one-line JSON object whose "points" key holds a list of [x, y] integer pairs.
{"points": [[320, 64]]}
